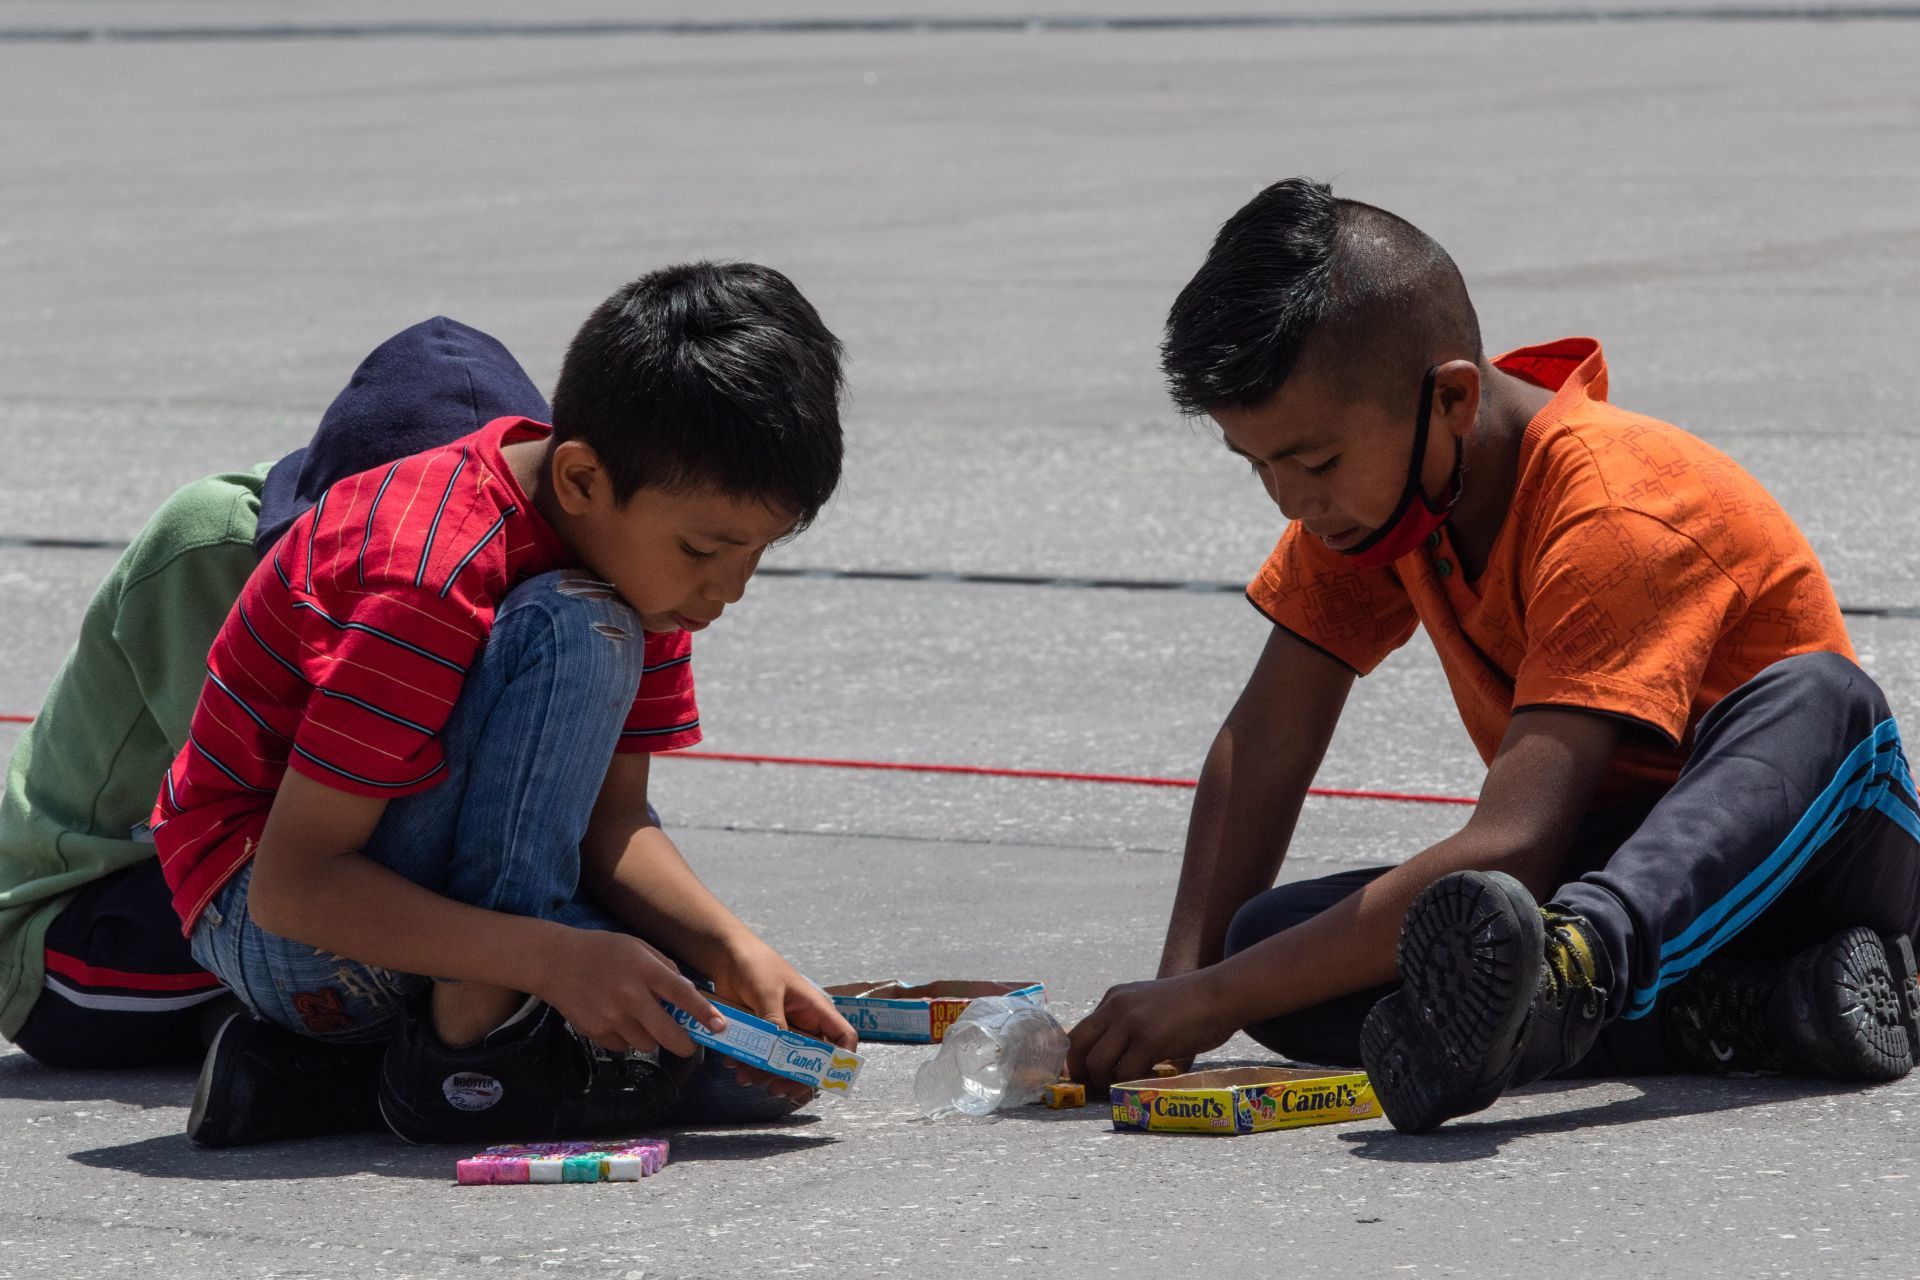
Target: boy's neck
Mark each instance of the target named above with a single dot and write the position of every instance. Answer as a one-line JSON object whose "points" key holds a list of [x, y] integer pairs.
{"points": [[1492, 465], [528, 460]]}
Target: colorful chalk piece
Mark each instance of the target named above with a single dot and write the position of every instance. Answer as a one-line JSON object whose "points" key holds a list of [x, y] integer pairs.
{"points": [[548, 1162]]}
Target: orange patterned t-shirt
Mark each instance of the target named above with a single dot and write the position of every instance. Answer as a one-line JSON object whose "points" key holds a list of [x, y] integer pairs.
{"points": [[1639, 573]]}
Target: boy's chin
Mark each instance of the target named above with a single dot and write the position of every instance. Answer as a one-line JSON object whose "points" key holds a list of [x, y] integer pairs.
{"points": [[668, 623]]}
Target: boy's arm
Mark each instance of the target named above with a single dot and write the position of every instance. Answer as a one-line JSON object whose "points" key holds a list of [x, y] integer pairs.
{"points": [[311, 884], [633, 869], [1537, 789], [1251, 787]]}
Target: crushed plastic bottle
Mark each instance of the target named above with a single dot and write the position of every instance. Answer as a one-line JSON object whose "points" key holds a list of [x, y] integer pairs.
{"points": [[1002, 1051]]}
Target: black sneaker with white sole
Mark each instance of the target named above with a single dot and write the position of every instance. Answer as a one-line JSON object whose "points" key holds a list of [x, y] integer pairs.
{"points": [[534, 1079], [263, 1083], [1847, 1009]]}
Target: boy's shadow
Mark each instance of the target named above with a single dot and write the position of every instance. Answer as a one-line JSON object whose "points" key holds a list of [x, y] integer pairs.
{"points": [[1660, 1097], [146, 1087], [172, 1156]]}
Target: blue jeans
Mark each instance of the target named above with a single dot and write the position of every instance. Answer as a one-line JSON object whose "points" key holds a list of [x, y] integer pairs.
{"points": [[527, 747]]}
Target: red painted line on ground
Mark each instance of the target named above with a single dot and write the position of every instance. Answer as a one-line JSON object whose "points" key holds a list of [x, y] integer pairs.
{"points": [[994, 771], [1053, 775]]}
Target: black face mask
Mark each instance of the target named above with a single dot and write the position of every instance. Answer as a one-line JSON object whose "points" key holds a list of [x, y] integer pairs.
{"points": [[1417, 517]]}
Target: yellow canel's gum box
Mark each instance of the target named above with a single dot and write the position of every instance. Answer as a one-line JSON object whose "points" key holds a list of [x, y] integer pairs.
{"points": [[1242, 1100], [894, 1011]]}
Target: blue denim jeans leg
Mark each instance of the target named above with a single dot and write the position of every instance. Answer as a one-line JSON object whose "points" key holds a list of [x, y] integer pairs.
{"points": [[527, 747]]}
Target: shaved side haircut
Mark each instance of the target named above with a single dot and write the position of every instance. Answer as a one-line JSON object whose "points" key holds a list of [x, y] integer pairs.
{"points": [[1299, 276]]}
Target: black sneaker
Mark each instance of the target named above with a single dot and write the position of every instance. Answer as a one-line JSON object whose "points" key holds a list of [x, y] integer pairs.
{"points": [[263, 1083], [535, 1079], [1847, 1009], [1495, 991]]}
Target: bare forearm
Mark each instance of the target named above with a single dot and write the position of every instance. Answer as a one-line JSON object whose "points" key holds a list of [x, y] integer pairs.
{"points": [[648, 885], [1237, 839], [354, 907]]}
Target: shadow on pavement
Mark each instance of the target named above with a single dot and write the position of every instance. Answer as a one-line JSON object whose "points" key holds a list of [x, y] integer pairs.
{"points": [[21, 1077], [1661, 1097], [754, 1144], [1035, 1113], [172, 1156]]}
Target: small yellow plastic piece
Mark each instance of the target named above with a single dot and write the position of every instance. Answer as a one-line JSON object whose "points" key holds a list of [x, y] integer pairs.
{"points": [[1066, 1094], [1162, 1070]]}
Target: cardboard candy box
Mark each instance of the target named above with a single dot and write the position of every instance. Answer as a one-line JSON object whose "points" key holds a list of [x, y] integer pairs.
{"points": [[892, 1011], [788, 1054], [1242, 1100]]}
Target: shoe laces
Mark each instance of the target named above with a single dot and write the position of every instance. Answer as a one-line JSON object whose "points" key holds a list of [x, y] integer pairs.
{"points": [[629, 1067], [1574, 959]]}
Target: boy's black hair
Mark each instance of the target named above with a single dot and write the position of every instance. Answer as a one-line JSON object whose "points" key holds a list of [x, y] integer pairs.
{"points": [[708, 376], [1298, 273]]}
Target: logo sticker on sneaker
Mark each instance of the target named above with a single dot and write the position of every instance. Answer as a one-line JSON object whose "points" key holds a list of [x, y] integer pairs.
{"points": [[471, 1091]]}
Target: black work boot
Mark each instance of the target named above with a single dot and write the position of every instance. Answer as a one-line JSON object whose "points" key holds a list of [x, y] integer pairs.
{"points": [[263, 1083], [1847, 1009], [1570, 1004], [1495, 991], [534, 1079]]}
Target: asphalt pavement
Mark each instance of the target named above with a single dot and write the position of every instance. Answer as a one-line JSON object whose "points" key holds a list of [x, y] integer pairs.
{"points": [[211, 210]]}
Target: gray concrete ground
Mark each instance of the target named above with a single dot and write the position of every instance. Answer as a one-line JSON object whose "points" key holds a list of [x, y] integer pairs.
{"points": [[201, 237]]}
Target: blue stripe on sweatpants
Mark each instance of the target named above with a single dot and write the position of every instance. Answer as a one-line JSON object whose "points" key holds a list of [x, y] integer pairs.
{"points": [[1864, 780], [1900, 813]]}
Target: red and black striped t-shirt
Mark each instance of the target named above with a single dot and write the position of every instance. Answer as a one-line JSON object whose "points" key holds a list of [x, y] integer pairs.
{"points": [[350, 644]]}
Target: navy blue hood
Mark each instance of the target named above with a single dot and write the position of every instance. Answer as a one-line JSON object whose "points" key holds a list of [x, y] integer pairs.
{"points": [[421, 388]]}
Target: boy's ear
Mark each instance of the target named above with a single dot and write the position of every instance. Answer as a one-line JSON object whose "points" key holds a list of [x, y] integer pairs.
{"points": [[579, 479], [1456, 397]]}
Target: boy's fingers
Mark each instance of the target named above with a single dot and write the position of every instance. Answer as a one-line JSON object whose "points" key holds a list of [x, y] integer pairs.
{"points": [[780, 1087], [769, 1005], [1135, 1064], [612, 1041], [1097, 1063], [836, 1030], [1080, 1041], [660, 1026], [822, 1021], [683, 994]]}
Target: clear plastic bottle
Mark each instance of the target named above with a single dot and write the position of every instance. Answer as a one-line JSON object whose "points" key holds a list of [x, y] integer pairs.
{"points": [[1001, 1052]]}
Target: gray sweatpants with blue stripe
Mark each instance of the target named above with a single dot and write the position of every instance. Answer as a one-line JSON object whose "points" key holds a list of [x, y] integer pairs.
{"points": [[1794, 818]]}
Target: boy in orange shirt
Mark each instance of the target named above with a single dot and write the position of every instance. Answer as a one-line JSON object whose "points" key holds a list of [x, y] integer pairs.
{"points": [[1681, 751]]}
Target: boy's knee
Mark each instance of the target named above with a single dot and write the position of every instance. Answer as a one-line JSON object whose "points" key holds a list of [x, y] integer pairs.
{"points": [[1828, 680], [586, 617], [1266, 914]]}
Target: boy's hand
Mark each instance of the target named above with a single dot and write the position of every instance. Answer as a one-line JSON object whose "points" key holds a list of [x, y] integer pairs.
{"points": [[756, 978], [1141, 1023], [609, 986]]}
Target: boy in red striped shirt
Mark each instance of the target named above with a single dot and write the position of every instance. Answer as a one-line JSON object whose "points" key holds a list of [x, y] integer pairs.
{"points": [[412, 815]]}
